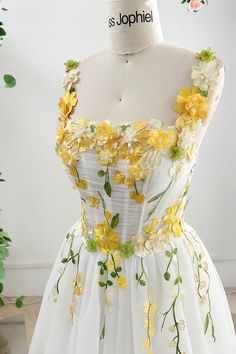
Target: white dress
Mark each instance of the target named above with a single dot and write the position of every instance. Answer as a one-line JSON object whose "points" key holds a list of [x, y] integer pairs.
{"points": [[132, 276]]}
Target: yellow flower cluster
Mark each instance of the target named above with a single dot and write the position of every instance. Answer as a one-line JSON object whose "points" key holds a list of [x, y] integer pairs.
{"points": [[107, 239], [118, 178], [138, 198], [66, 105], [150, 309], [80, 183], [191, 106], [93, 202], [136, 174], [77, 290], [174, 218], [121, 282], [150, 229], [163, 138]]}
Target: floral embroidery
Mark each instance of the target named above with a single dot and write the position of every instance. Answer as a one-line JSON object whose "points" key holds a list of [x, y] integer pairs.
{"points": [[150, 309], [77, 290], [202, 279], [144, 145], [176, 230], [191, 105], [206, 55], [93, 202], [119, 178], [139, 198], [105, 282], [161, 138], [66, 105], [178, 324], [72, 74], [107, 239], [205, 75]]}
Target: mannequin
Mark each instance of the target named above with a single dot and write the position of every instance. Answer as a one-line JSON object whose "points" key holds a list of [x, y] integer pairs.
{"points": [[138, 76]]}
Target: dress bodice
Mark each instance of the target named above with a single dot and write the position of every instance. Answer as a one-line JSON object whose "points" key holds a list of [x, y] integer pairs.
{"points": [[133, 176]]}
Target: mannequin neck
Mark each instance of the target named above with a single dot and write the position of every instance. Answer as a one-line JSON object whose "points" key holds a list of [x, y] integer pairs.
{"points": [[133, 25]]}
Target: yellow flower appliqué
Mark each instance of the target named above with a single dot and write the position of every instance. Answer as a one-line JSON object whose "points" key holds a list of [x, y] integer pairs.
{"points": [[191, 105], [139, 198], [67, 103], [107, 239], [119, 178], [93, 202], [121, 282], [163, 138], [80, 184]]}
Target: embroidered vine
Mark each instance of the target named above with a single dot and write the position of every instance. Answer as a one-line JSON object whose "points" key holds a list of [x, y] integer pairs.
{"points": [[178, 325], [150, 310], [202, 285]]}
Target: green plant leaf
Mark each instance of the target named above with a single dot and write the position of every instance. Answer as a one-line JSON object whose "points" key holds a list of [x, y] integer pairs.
{"points": [[3, 253], [2, 32], [115, 221], [206, 325], [102, 284], [167, 276], [10, 81], [105, 266], [1, 288], [119, 269], [156, 197], [178, 280], [19, 302], [101, 173], [2, 272], [1, 302], [107, 187], [213, 332], [168, 254]]}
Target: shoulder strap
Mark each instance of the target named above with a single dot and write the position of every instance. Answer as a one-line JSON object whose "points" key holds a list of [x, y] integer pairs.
{"points": [[194, 104], [68, 102]]}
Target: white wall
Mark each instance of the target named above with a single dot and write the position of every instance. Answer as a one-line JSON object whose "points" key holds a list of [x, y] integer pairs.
{"points": [[38, 202]]}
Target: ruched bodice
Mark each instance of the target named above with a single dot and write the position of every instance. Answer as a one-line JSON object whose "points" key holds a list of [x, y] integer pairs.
{"points": [[159, 188], [130, 176]]}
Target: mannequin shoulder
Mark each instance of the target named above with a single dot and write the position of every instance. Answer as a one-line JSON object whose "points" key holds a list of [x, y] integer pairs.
{"points": [[96, 58]]}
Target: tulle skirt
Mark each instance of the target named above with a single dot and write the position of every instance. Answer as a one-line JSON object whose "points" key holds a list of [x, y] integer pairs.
{"points": [[172, 301]]}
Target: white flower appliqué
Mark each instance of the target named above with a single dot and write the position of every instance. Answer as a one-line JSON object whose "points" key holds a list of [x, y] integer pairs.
{"points": [[205, 75]]}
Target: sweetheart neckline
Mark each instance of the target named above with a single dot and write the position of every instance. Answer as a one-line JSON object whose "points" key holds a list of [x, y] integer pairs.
{"points": [[126, 122]]}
